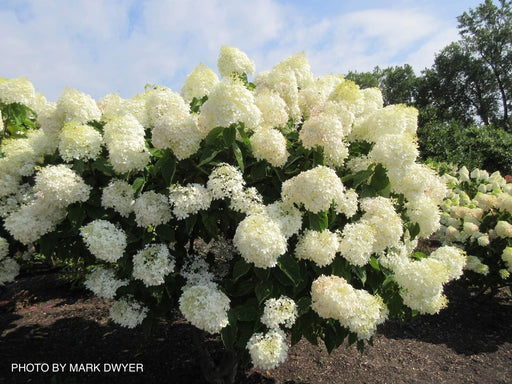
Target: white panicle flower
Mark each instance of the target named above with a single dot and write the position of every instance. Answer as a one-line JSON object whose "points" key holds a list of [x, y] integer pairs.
{"points": [[503, 229], [162, 101], [78, 141], [124, 137], [279, 311], [485, 201], [426, 213], [358, 164], [183, 137], [232, 60], [272, 107], [317, 92], [19, 90], [103, 283], [110, 105], [128, 312], [50, 119], [270, 145], [505, 202], [1, 122], [358, 310], [287, 216], [381, 215], [4, 248], [480, 175], [119, 196], [356, 244], [259, 240], [349, 94], [74, 105], [394, 151], [8, 182], [483, 240], [152, 208], [229, 102], [198, 83], [225, 181], [372, 101], [20, 157], [506, 256], [474, 264], [320, 247], [347, 203], [417, 180], [268, 350], [189, 199], [9, 269], [33, 220], [61, 184], [469, 227], [391, 120], [152, 264], [453, 258], [205, 306], [104, 240], [196, 271], [137, 107], [298, 64], [317, 189], [248, 201], [422, 282]]}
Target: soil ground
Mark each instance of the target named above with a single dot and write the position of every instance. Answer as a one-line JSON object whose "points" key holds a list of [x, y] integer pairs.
{"points": [[41, 321]]}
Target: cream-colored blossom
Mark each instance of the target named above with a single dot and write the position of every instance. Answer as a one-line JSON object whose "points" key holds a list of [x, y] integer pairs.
{"points": [[232, 60], [198, 83], [269, 144]]}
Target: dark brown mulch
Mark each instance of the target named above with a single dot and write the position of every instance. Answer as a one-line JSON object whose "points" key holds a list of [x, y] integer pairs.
{"points": [[41, 321]]}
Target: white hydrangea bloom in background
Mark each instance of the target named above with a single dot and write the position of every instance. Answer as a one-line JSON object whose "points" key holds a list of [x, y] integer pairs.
{"points": [[163, 101], [225, 181], [287, 216], [189, 199], [119, 196], [394, 151], [9, 269], [62, 184], [270, 145], [453, 258], [282, 311], [77, 106], [381, 215], [248, 201], [268, 350], [124, 137], [259, 240], [232, 60], [316, 189], [78, 141], [229, 102], [317, 92], [103, 282], [272, 107], [356, 243], [128, 312], [152, 208], [474, 264], [19, 90], [205, 306], [50, 119], [183, 137], [425, 212], [152, 264], [104, 240], [320, 247], [506, 256], [503, 229], [110, 105], [4, 248], [198, 83], [299, 66]]}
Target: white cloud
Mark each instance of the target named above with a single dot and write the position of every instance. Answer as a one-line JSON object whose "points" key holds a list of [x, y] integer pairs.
{"points": [[104, 46]]}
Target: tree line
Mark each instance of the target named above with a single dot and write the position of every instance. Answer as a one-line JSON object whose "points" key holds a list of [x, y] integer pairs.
{"points": [[465, 97]]}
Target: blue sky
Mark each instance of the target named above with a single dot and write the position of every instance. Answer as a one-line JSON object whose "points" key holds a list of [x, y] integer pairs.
{"points": [[118, 46]]}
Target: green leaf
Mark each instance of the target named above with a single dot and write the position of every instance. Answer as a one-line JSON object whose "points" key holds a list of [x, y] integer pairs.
{"points": [[104, 166], [138, 184], [289, 265], [360, 346], [374, 263], [76, 216], [228, 336], [229, 135], [240, 268], [361, 177], [239, 156], [209, 222], [340, 268], [166, 166], [414, 229], [296, 335], [318, 221], [247, 311], [262, 273], [379, 179], [166, 233], [258, 171], [190, 223], [213, 135], [361, 274], [303, 305], [352, 338], [263, 290], [208, 155]]}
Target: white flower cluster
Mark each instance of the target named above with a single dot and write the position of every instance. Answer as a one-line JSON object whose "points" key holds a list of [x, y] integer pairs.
{"points": [[4, 248], [248, 201], [269, 144], [225, 181], [152, 208], [272, 107], [152, 264], [259, 240], [205, 306], [320, 247], [268, 350], [103, 282], [9, 269], [79, 141], [119, 196], [475, 220], [183, 137], [282, 311], [76, 106], [232, 60], [355, 309], [124, 138], [198, 83], [19, 90], [104, 240], [163, 102], [128, 312], [188, 200], [287, 217]]}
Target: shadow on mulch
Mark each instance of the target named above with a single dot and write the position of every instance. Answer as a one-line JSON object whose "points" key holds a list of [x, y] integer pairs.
{"points": [[476, 324]]}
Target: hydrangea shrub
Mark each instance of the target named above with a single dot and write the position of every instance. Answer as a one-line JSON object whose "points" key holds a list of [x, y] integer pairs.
{"points": [[477, 217], [287, 205]]}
